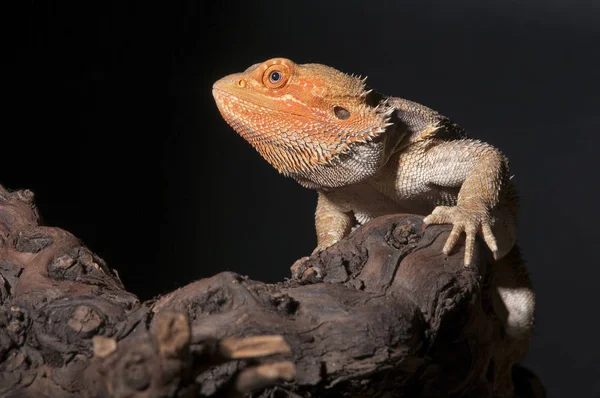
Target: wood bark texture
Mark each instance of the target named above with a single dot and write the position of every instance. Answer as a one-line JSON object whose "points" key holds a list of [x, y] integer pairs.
{"points": [[382, 313]]}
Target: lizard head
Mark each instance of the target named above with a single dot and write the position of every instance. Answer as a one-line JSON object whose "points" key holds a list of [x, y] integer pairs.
{"points": [[305, 119]]}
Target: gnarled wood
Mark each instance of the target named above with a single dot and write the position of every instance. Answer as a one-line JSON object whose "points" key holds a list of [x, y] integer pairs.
{"points": [[381, 313]]}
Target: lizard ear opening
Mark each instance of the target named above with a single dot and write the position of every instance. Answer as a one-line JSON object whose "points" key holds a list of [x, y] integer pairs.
{"points": [[341, 113]]}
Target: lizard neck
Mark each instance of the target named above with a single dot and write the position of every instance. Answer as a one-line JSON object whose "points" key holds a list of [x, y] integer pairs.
{"points": [[409, 123], [361, 163], [363, 160]]}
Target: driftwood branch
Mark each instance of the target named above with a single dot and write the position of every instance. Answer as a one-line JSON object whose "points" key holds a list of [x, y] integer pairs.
{"points": [[382, 313]]}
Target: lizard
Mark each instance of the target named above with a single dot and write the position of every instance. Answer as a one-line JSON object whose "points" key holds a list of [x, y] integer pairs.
{"points": [[368, 154]]}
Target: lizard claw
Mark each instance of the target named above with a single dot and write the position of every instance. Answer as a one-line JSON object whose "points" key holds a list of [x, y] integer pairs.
{"points": [[465, 221]]}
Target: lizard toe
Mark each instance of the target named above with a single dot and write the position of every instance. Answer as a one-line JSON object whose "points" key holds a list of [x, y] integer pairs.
{"points": [[439, 215], [489, 238], [453, 238], [471, 233]]}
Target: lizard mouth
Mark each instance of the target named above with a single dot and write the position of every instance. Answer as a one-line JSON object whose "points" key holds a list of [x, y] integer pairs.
{"points": [[225, 100]]}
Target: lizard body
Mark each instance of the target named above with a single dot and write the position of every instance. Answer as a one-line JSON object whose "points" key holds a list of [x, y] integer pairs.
{"points": [[367, 154]]}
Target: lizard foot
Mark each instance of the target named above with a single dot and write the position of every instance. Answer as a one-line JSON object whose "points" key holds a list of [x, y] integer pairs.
{"points": [[306, 270], [467, 221]]}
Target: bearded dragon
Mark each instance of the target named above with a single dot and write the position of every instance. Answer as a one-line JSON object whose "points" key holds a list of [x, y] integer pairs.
{"points": [[368, 154]]}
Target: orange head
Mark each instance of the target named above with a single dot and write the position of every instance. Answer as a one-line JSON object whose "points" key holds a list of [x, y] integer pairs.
{"points": [[300, 116]]}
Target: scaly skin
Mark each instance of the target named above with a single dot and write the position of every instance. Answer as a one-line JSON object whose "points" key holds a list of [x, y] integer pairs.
{"points": [[368, 155], [328, 131]]}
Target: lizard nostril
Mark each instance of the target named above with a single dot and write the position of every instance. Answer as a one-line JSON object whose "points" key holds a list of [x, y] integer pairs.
{"points": [[241, 83], [341, 113]]}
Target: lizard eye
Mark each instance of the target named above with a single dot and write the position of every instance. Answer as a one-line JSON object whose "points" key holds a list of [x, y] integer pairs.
{"points": [[276, 76]]}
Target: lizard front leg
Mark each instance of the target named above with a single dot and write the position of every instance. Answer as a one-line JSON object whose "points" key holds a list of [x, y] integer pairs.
{"points": [[332, 221], [482, 173]]}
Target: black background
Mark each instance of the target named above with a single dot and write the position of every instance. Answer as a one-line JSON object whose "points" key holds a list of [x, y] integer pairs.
{"points": [[110, 120]]}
